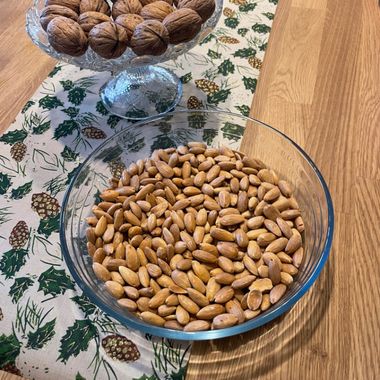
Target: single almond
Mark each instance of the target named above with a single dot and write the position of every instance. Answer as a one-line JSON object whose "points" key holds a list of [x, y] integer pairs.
{"points": [[182, 315], [222, 321], [224, 278], [181, 279], [210, 311], [173, 325], [289, 268], [227, 249], [188, 304], [197, 297], [253, 250], [284, 227], [165, 310], [231, 220], [151, 255], [277, 293], [294, 243], [101, 226], [130, 217], [286, 188], [243, 282], [127, 304], [197, 325], [153, 270], [241, 238], [152, 318], [262, 285], [131, 257], [101, 272], [298, 257], [265, 303], [254, 299], [201, 271], [114, 288], [234, 307], [188, 239], [249, 314], [224, 295], [165, 281], [129, 276], [159, 298], [189, 221], [277, 245], [204, 256], [212, 288], [226, 264], [172, 300]]}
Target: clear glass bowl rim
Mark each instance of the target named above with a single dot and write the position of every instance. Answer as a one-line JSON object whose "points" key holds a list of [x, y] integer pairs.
{"points": [[210, 334]]}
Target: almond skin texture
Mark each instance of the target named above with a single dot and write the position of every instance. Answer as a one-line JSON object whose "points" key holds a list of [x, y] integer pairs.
{"points": [[182, 25], [66, 36]]}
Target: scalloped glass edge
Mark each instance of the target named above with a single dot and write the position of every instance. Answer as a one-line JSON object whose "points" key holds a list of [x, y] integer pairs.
{"points": [[90, 60], [210, 334]]}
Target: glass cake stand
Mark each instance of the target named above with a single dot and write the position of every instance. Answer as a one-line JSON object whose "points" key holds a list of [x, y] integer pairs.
{"points": [[138, 89]]}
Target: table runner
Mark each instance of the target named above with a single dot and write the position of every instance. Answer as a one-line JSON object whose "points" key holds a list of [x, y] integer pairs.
{"points": [[48, 328]]}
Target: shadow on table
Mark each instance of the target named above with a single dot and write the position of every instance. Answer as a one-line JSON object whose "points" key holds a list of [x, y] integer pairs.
{"points": [[259, 351]]}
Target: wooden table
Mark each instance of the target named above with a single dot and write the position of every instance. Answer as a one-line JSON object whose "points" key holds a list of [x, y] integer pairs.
{"points": [[320, 85]]}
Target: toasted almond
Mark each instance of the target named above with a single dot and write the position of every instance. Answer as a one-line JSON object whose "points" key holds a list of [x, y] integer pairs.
{"points": [[127, 304], [101, 226], [227, 249], [109, 195], [153, 270], [298, 257], [250, 265], [213, 173], [242, 201], [113, 264], [189, 221], [165, 267], [165, 310], [114, 288], [286, 278], [197, 297], [159, 298], [231, 220], [131, 292], [271, 212], [131, 257], [172, 300], [188, 304], [270, 256], [210, 311], [289, 268], [271, 226], [284, 258], [224, 294], [254, 299], [286, 188], [152, 318], [222, 321], [294, 243], [241, 238], [254, 234], [243, 282], [238, 266], [277, 293], [164, 169], [165, 281], [290, 214], [143, 303], [188, 239], [181, 279], [274, 272], [115, 276], [224, 278], [99, 255], [277, 245], [204, 257], [249, 314], [234, 307], [181, 204], [198, 234], [201, 271], [101, 272], [91, 248], [226, 264], [253, 250], [182, 315], [197, 325], [173, 325], [212, 288], [263, 271], [265, 239], [265, 303], [129, 276], [284, 227], [262, 284]]}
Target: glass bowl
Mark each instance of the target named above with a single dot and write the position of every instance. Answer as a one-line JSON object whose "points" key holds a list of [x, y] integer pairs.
{"points": [[215, 128], [138, 89]]}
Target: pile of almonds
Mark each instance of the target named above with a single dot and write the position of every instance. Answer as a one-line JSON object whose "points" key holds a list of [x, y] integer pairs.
{"points": [[196, 238], [146, 26]]}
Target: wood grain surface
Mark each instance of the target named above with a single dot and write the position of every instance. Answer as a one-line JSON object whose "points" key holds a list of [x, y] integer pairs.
{"points": [[320, 85]]}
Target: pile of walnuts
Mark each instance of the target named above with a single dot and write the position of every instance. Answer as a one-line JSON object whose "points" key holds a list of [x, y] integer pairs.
{"points": [[146, 26]]}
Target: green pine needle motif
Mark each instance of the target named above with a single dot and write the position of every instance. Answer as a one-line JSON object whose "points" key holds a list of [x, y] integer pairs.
{"points": [[243, 31], [37, 339], [113, 120], [209, 135], [84, 304], [27, 105], [247, 7], [76, 95], [12, 261], [232, 131], [269, 15], [71, 112], [49, 225], [79, 377], [9, 349], [5, 183], [244, 110], [54, 281], [49, 102], [55, 71], [261, 28], [66, 128], [76, 339], [226, 67], [101, 109], [245, 52], [250, 84], [66, 84], [213, 54], [231, 22], [218, 97], [12, 137], [21, 191], [186, 78], [68, 154], [19, 287]]}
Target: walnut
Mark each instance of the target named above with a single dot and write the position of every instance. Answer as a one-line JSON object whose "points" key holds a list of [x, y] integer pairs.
{"points": [[72, 4], [66, 36], [108, 39], [88, 20], [52, 11], [156, 11], [150, 38], [126, 6], [95, 6], [205, 8], [183, 25], [146, 2], [129, 23]]}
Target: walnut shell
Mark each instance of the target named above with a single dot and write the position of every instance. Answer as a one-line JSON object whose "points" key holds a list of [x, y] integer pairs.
{"points": [[108, 39], [150, 38], [129, 23], [95, 6], [146, 2], [88, 20], [72, 4], [66, 36], [52, 11], [183, 25], [156, 11], [205, 8], [126, 6]]}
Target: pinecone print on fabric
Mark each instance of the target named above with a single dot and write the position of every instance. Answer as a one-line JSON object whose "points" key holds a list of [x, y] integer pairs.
{"points": [[116, 167], [228, 40], [93, 133], [11, 368], [207, 86], [45, 205], [228, 12], [238, 2], [256, 63], [18, 151], [19, 235], [193, 103], [118, 347]]}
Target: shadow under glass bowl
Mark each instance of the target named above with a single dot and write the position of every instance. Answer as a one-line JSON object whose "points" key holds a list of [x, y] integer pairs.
{"points": [[216, 128], [138, 90]]}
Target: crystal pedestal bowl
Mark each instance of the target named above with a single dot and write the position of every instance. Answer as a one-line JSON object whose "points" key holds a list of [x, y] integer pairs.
{"points": [[138, 89]]}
